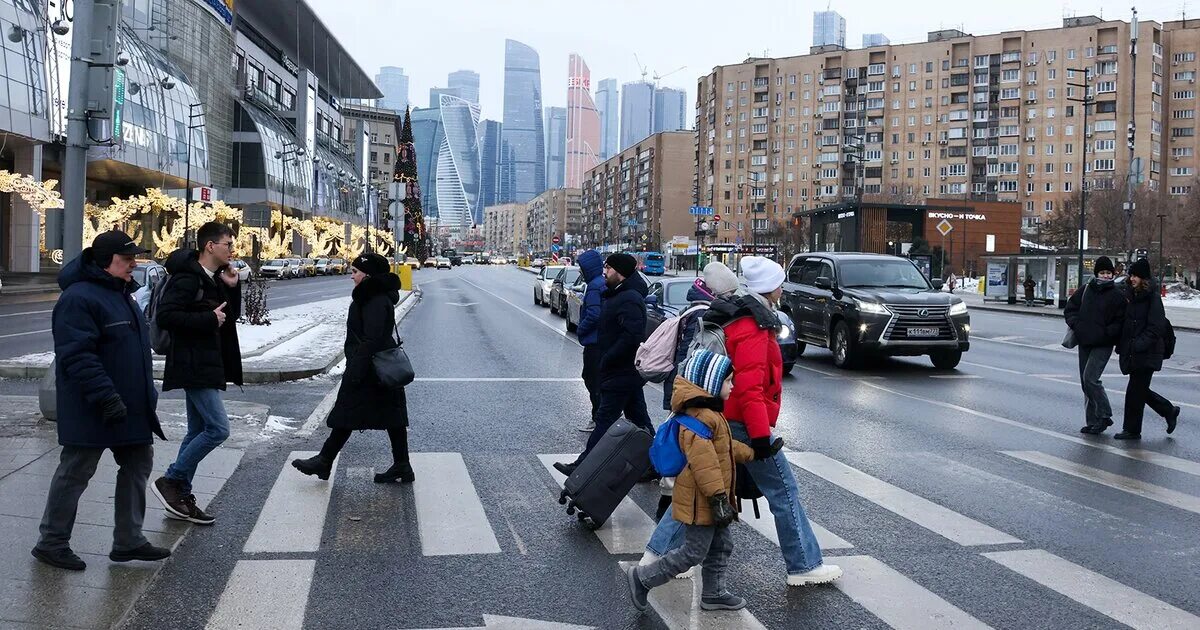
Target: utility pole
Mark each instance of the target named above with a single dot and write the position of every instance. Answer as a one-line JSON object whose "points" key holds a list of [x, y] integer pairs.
{"points": [[187, 203], [89, 102], [1134, 171], [1086, 102], [1162, 251]]}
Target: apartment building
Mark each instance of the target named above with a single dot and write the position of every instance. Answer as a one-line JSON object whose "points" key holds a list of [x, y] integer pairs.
{"points": [[989, 118], [504, 228], [639, 199], [556, 212]]}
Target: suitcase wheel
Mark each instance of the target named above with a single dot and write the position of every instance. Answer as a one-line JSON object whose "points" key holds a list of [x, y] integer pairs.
{"points": [[571, 510], [592, 523], [562, 498]]}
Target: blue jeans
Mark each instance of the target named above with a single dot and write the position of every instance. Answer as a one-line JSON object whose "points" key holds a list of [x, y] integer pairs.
{"points": [[799, 546], [208, 427]]}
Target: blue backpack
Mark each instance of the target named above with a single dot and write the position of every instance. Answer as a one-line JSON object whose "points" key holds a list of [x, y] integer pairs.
{"points": [[665, 454]]}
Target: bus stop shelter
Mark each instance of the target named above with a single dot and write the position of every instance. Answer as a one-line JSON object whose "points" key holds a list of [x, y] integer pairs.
{"points": [[1056, 276]]}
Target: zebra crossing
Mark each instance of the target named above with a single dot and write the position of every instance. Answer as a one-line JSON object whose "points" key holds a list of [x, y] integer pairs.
{"points": [[453, 520]]}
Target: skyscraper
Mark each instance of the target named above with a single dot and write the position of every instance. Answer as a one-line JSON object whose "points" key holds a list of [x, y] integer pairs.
{"points": [[458, 175], [670, 109], [637, 112], [583, 122], [556, 146], [394, 84], [427, 141], [435, 95], [523, 144], [608, 105], [829, 27], [467, 83], [489, 163], [875, 39]]}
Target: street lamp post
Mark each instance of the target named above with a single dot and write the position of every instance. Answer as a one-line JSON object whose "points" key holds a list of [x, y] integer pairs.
{"points": [[187, 194], [285, 156], [1086, 101], [1162, 251]]}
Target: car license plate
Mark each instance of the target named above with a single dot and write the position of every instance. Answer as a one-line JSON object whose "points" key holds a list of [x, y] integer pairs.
{"points": [[922, 332]]}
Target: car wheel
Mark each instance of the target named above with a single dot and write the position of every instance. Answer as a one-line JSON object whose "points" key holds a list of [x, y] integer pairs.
{"points": [[946, 359], [787, 368], [571, 327], [800, 348], [844, 354], [536, 300]]}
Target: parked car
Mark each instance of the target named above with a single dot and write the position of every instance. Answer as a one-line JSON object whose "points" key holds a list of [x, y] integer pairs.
{"points": [[148, 274], [443, 263], [468, 261], [279, 268], [559, 289], [537, 263], [296, 268], [309, 267], [859, 305], [575, 294], [668, 298], [321, 266], [336, 266], [412, 262], [243, 269], [430, 262], [544, 282]]}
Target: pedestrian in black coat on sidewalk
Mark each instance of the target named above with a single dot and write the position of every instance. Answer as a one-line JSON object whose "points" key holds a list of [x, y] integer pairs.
{"points": [[362, 401], [1141, 347], [1096, 314]]}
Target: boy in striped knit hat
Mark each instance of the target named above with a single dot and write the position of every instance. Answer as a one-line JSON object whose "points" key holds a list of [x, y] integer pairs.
{"points": [[704, 490]]}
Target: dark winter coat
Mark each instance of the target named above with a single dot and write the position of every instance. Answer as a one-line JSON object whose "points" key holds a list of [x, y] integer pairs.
{"points": [[591, 266], [362, 402], [101, 347], [1096, 313], [1142, 336], [751, 342], [203, 353], [622, 328], [1030, 284], [687, 331]]}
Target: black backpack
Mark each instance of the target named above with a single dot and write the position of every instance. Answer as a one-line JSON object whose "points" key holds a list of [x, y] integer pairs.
{"points": [[160, 339], [1168, 341]]}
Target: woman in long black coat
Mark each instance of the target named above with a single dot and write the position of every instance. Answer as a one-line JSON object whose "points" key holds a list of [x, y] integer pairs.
{"points": [[362, 402], [1142, 345]]}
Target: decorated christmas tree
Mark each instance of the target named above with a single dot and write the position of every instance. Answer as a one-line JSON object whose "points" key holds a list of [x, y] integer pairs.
{"points": [[406, 173]]}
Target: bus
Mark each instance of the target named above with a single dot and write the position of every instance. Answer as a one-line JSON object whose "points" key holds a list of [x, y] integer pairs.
{"points": [[651, 263], [452, 254]]}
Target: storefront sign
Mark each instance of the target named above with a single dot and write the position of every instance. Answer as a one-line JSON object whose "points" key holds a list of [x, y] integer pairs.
{"points": [[845, 215], [118, 109], [220, 8], [997, 279], [133, 134], [966, 216]]}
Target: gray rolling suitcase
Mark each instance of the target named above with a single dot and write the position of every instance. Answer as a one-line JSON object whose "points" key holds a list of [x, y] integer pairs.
{"points": [[610, 471]]}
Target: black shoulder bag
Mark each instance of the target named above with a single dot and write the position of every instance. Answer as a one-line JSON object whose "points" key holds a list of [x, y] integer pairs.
{"points": [[392, 367]]}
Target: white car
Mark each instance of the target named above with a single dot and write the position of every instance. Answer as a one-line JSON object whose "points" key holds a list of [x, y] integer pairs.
{"points": [[443, 263], [242, 268], [545, 282], [537, 263]]}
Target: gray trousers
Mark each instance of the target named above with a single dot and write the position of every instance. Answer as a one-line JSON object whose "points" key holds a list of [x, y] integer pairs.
{"points": [[1092, 361], [75, 468], [701, 543]]}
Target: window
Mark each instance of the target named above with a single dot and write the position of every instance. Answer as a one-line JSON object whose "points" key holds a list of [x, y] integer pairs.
{"points": [[1010, 76], [1104, 165], [1183, 132], [1183, 113], [1181, 190], [1105, 146], [1184, 94], [1187, 75], [1181, 171], [1183, 56]]}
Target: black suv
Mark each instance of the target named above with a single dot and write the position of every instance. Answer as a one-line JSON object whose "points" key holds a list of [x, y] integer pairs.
{"points": [[862, 304]]}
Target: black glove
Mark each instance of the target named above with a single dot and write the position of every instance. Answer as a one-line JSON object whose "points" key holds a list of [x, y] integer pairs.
{"points": [[764, 448], [722, 510], [112, 410]]}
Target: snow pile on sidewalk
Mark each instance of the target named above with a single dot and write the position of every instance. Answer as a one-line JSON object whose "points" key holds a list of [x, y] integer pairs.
{"points": [[1182, 296], [965, 285], [286, 322]]}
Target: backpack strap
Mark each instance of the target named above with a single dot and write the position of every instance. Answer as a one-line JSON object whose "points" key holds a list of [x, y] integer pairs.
{"points": [[695, 425]]}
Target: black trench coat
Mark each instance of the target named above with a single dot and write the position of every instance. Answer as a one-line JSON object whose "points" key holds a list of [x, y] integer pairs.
{"points": [[362, 403]]}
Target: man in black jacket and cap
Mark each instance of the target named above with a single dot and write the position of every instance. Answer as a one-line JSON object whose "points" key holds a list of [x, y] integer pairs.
{"points": [[1095, 314], [621, 330], [106, 400]]}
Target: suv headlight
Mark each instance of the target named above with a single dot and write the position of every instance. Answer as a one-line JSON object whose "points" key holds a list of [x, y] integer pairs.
{"points": [[874, 308], [958, 308], [785, 331]]}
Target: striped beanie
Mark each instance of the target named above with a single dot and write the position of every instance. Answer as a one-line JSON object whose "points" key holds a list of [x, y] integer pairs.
{"points": [[707, 370]]}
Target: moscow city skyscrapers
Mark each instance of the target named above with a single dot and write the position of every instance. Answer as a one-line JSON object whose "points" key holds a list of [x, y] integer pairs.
{"points": [[583, 122], [522, 139], [608, 104]]}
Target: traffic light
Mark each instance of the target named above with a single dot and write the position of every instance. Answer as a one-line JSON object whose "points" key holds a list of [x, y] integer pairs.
{"points": [[1129, 134]]}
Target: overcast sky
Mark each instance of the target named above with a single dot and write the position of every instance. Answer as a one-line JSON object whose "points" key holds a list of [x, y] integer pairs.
{"points": [[432, 38]]}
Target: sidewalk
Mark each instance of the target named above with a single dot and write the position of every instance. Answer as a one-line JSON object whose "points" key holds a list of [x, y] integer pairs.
{"points": [[35, 595], [1182, 318], [302, 341]]}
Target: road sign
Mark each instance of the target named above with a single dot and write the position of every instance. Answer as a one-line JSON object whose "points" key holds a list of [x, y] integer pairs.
{"points": [[944, 227], [716, 217], [700, 210], [556, 240]]}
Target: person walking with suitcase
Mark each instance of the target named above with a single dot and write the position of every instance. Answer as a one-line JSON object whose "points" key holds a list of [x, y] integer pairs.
{"points": [[199, 308], [362, 401], [1141, 349], [106, 400], [1095, 315], [620, 331], [705, 489], [591, 266]]}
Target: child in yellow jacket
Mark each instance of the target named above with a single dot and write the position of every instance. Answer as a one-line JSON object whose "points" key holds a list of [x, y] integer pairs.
{"points": [[704, 490]]}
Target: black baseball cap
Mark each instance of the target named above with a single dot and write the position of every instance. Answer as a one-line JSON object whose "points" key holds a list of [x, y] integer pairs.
{"points": [[109, 244]]}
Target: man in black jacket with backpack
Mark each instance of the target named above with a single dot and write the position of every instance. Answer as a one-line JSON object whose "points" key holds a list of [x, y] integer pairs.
{"points": [[1095, 314]]}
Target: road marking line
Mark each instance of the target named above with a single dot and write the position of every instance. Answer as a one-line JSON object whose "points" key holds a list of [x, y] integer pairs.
{"points": [[23, 334], [293, 516], [992, 367], [1102, 594], [1151, 457], [450, 516], [1116, 392], [678, 605], [1142, 489], [1003, 338], [27, 313], [896, 600], [497, 379], [937, 519], [265, 594], [535, 318], [627, 530], [765, 525], [955, 376]]}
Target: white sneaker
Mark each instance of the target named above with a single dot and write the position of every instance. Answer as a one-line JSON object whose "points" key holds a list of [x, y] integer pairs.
{"points": [[588, 428], [822, 574], [650, 557]]}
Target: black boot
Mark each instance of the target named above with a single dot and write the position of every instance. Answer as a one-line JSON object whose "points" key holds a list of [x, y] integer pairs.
{"points": [[315, 465], [398, 472]]}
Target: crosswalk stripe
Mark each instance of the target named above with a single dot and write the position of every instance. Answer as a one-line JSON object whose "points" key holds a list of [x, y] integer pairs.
{"points": [[1137, 487], [937, 519], [450, 515], [1102, 594], [1166, 461], [765, 525], [627, 530], [293, 516], [898, 601], [264, 594], [678, 605]]}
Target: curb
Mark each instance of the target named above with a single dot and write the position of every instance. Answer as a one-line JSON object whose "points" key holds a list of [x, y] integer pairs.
{"points": [[1057, 315]]}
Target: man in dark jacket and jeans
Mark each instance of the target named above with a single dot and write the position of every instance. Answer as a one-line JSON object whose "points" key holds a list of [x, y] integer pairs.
{"points": [[106, 400], [591, 265], [621, 330], [1095, 315], [199, 309]]}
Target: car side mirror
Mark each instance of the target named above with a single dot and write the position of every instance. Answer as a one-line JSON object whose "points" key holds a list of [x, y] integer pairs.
{"points": [[937, 284], [823, 283], [651, 300]]}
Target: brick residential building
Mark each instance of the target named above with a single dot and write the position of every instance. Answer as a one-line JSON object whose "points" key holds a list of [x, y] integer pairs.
{"points": [[556, 212], [504, 228]]}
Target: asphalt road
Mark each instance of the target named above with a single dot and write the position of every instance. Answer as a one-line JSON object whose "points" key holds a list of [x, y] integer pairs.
{"points": [[963, 496]]}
